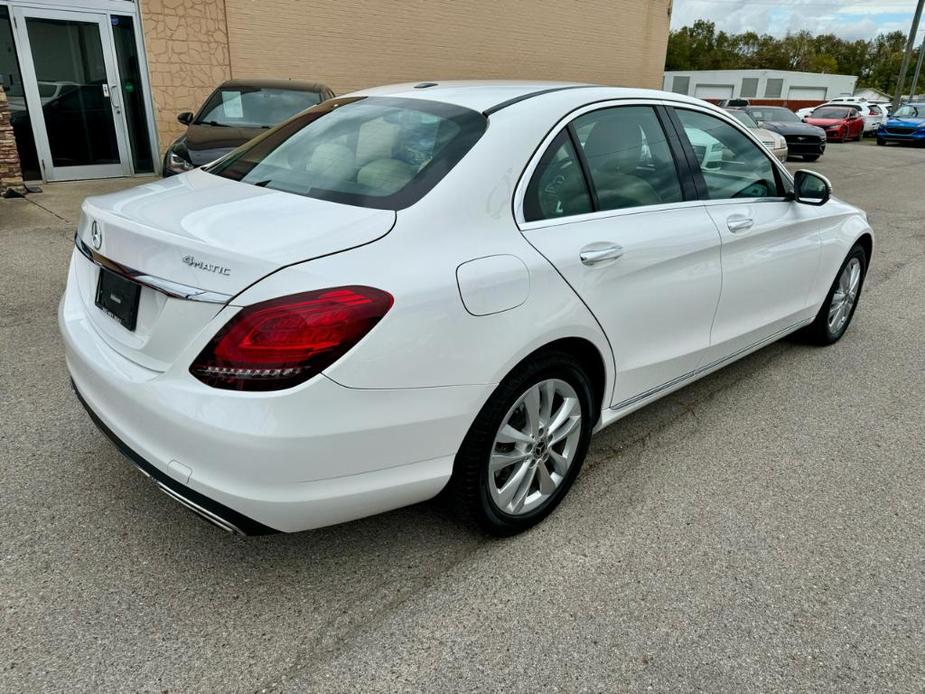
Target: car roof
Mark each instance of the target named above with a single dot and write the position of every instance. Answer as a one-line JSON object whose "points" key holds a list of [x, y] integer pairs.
{"points": [[261, 83], [489, 96]]}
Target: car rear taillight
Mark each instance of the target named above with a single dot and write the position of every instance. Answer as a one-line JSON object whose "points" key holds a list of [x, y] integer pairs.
{"points": [[282, 342]]}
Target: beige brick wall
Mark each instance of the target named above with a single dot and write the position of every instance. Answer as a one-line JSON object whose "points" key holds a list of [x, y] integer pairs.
{"points": [[187, 46], [193, 45], [351, 44]]}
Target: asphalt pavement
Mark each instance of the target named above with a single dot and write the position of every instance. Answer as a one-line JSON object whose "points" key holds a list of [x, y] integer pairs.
{"points": [[762, 530]]}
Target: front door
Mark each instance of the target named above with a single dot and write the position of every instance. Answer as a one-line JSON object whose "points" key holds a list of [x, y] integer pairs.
{"points": [[73, 94], [771, 245]]}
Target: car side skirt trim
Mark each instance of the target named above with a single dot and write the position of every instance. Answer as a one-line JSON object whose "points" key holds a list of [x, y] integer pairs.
{"points": [[702, 370]]}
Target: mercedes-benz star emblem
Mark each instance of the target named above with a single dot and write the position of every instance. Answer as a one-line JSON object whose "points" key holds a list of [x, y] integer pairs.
{"points": [[96, 236]]}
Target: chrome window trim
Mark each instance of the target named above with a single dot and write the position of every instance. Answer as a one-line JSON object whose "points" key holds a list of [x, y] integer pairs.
{"points": [[526, 175], [172, 289]]}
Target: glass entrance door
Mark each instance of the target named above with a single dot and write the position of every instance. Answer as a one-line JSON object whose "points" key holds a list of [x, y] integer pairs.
{"points": [[73, 94]]}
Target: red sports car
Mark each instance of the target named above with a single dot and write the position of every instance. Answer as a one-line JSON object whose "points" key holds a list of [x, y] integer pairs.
{"points": [[839, 122]]}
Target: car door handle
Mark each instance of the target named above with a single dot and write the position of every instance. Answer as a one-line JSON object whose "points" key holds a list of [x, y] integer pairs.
{"points": [[739, 224], [595, 253]]}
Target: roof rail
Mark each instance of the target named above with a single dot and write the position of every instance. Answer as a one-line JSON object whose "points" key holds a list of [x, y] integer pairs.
{"points": [[530, 95]]}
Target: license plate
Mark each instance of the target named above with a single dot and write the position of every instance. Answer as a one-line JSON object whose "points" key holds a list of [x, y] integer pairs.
{"points": [[118, 298]]}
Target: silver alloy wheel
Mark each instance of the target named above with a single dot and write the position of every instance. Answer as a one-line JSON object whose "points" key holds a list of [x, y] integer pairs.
{"points": [[534, 447], [845, 296]]}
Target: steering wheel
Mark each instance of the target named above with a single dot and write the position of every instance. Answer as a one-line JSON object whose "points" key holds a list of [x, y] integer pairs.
{"points": [[745, 192]]}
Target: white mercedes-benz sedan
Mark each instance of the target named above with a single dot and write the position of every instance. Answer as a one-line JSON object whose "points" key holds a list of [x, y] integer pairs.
{"points": [[439, 287]]}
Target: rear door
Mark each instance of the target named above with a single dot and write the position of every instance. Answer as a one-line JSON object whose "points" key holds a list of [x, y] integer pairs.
{"points": [[770, 244], [609, 206]]}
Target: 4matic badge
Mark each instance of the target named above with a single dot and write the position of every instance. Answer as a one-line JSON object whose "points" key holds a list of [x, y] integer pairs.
{"points": [[206, 267]]}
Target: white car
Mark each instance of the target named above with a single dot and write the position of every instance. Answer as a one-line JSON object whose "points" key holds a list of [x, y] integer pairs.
{"points": [[874, 115], [775, 142], [439, 287]]}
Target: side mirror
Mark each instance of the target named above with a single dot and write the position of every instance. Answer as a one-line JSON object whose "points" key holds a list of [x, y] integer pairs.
{"points": [[810, 188], [186, 117]]}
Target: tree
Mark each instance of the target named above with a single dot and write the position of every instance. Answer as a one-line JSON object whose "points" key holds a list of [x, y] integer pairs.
{"points": [[700, 47]]}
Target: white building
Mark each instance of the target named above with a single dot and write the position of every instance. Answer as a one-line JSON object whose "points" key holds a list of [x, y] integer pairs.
{"points": [[759, 84], [876, 96]]}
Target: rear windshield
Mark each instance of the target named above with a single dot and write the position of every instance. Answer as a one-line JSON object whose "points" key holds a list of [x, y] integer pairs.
{"points": [[253, 107], [369, 151]]}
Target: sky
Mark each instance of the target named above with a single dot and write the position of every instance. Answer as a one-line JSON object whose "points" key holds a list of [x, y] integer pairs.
{"points": [[850, 19]]}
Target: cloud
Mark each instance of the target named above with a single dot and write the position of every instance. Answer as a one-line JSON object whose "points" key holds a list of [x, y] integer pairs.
{"points": [[850, 19]]}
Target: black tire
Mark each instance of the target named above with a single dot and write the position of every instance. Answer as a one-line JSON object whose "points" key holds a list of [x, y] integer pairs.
{"points": [[881, 142], [468, 490], [818, 332], [811, 157]]}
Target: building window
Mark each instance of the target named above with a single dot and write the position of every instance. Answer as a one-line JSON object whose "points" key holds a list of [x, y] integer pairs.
{"points": [[749, 87], [774, 89], [681, 85]]}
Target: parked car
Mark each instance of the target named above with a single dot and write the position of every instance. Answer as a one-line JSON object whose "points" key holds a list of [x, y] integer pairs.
{"points": [[775, 142], [873, 114], [906, 125], [803, 140], [439, 287], [841, 123], [236, 112]]}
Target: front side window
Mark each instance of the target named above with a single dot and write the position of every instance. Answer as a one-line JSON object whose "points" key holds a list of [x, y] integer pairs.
{"points": [[377, 152], [252, 107], [629, 160], [733, 166]]}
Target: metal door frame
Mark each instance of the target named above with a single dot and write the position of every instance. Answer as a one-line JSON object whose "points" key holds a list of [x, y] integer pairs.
{"points": [[71, 9]]}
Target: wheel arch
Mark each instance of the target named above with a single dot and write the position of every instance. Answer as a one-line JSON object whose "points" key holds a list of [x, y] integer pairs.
{"points": [[866, 241], [587, 354]]}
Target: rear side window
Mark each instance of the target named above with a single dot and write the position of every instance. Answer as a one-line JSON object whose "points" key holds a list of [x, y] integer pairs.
{"points": [[377, 152], [558, 187], [628, 157], [733, 166]]}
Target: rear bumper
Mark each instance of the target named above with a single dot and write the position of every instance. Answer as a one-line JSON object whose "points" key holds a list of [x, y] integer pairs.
{"points": [[214, 512], [313, 455]]}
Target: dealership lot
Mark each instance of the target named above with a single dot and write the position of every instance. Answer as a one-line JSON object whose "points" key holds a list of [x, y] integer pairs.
{"points": [[760, 530]]}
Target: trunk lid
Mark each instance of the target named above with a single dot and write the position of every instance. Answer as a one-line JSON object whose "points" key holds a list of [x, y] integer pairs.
{"points": [[209, 233]]}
